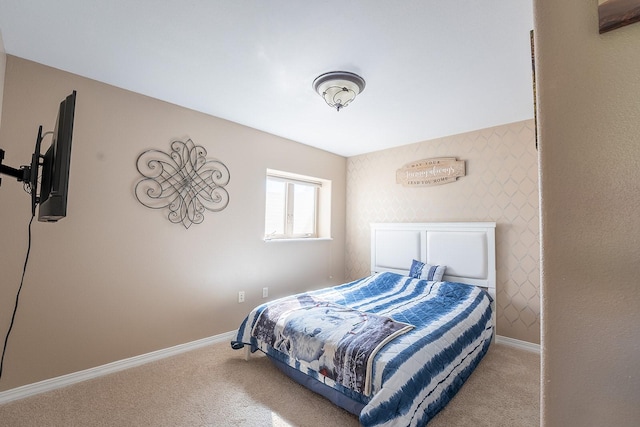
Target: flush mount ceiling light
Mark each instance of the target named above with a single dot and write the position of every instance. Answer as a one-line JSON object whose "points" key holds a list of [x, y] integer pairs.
{"points": [[338, 88]]}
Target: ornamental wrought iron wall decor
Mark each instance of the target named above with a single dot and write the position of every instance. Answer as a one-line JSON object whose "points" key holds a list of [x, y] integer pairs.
{"points": [[182, 180]]}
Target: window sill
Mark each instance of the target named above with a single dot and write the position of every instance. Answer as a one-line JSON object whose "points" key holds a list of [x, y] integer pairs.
{"points": [[300, 239]]}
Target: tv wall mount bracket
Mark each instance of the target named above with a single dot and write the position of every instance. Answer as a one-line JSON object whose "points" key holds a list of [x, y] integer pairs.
{"points": [[28, 174]]}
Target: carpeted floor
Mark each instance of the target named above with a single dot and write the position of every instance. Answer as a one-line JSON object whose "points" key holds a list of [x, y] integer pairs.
{"points": [[215, 386]]}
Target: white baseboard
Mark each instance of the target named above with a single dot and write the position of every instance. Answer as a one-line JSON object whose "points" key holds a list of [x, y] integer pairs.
{"points": [[109, 368], [121, 365], [522, 345]]}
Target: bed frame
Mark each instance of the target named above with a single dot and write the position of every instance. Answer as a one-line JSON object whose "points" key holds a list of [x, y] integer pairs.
{"points": [[468, 249]]}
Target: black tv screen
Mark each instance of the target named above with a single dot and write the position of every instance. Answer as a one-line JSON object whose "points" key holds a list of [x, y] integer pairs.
{"points": [[55, 165]]}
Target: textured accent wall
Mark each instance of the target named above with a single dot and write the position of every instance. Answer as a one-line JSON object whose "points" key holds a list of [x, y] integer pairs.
{"points": [[501, 185]]}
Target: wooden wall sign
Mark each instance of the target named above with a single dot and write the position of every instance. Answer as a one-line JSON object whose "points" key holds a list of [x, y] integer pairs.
{"points": [[614, 14], [421, 173]]}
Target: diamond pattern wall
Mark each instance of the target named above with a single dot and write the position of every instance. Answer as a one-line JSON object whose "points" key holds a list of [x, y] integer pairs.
{"points": [[501, 185]]}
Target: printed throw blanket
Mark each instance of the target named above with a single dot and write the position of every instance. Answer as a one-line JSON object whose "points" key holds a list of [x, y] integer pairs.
{"points": [[336, 341]]}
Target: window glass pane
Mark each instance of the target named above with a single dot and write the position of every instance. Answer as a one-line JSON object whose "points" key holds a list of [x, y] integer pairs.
{"points": [[304, 209], [275, 208]]}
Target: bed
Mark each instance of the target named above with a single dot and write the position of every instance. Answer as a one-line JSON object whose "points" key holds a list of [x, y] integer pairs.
{"points": [[394, 347]]}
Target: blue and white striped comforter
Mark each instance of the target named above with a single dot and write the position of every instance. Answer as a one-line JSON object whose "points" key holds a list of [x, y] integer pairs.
{"points": [[415, 375]]}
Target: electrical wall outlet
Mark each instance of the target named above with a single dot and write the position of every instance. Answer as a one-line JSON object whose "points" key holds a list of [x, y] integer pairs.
{"points": [[241, 296], [265, 292]]}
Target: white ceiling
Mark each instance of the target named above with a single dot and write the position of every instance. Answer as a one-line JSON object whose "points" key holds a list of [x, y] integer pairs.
{"points": [[432, 67]]}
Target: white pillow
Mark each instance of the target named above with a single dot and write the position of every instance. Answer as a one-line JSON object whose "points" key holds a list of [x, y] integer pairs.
{"points": [[433, 272], [420, 270]]}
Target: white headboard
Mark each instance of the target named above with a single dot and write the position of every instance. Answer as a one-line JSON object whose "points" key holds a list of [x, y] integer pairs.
{"points": [[468, 249]]}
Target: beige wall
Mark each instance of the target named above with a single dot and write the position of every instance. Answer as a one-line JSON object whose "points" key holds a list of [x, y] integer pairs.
{"points": [[589, 111], [501, 185], [115, 279]]}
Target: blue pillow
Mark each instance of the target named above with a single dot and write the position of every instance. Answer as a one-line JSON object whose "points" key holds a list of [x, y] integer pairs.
{"points": [[416, 269]]}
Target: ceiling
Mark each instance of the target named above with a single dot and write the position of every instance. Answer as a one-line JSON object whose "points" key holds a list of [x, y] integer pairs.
{"points": [[432, 68]]}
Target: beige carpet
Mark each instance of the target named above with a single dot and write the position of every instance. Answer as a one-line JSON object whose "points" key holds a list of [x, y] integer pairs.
{"points": [[214, 386]]}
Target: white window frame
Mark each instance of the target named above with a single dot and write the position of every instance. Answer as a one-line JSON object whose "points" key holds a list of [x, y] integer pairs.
{"points": [[322, 209]]}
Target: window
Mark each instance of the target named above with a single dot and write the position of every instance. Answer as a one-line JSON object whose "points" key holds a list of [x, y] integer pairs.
{"points": [[294, 206]]}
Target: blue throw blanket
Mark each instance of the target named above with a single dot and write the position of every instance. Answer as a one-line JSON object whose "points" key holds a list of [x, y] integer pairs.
{"points": [[336, 341]]}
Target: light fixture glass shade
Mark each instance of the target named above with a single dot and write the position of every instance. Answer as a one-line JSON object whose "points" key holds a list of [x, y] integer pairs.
{"points": [[338, 88]]}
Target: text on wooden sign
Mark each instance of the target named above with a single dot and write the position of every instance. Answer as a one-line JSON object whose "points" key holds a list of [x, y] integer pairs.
{"points": [[436, 171]]}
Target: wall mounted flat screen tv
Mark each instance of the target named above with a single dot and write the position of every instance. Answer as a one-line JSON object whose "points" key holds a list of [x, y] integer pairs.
{"points": [[55, 165]]}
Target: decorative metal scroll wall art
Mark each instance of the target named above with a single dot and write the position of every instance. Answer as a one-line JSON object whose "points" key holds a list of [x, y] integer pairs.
{"points": [[184, 181], [436, 171]]}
